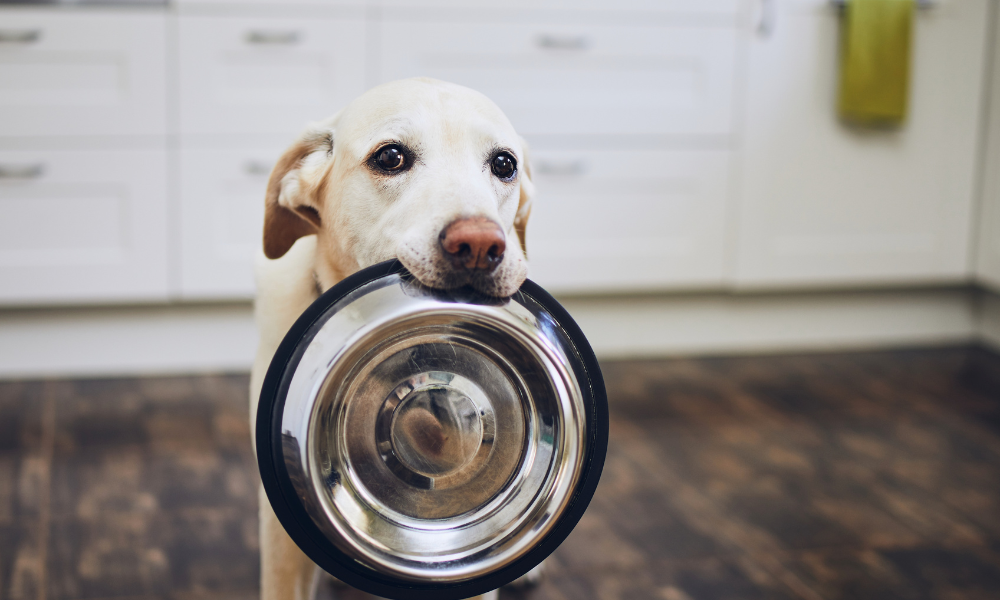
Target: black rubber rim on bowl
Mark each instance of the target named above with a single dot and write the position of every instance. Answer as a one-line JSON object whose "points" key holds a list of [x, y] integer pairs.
{"points": [[324, 553]]}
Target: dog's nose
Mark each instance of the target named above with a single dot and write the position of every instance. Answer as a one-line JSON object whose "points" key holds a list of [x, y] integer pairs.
{"points": [[474, 243]]}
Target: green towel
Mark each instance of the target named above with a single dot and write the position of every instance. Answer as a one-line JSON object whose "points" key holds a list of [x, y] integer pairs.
{"points": [[875, 63]]}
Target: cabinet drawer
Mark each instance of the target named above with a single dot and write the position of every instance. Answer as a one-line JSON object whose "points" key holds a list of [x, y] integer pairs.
{"points": [[579, 79], [78, 73], [619, 220], [251, 75], [83, 226], [222, 218]]}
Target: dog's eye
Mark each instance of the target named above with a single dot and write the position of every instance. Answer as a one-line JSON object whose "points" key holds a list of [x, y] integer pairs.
{"points": [[503, 165], [390, 158]]}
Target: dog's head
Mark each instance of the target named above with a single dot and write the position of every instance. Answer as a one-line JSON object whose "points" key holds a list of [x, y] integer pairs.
{"points": [[430, 173]]}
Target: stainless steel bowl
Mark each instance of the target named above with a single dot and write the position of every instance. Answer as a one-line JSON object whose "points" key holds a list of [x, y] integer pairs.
{"points": [[420, 443]]}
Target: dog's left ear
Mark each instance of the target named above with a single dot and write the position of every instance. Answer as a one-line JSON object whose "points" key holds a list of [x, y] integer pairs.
{"points": [[291, 208], [527, 193]]}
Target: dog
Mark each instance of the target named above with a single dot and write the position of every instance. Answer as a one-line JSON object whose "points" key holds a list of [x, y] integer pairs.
{"points": [[426, 172]]}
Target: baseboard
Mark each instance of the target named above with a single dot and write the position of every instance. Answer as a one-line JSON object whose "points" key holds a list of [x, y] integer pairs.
{"points": [[754, 323], [126, 341], [204, 338]]}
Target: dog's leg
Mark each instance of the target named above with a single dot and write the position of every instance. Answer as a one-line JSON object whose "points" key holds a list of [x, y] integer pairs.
{"points": [[286, 573]]}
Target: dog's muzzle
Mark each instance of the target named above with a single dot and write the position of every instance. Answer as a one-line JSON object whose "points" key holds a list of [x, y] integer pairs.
{"points": [[418, 443]]}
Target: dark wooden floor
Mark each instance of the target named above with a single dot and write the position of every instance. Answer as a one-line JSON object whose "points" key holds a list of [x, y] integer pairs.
{"points": [[835, 476]]}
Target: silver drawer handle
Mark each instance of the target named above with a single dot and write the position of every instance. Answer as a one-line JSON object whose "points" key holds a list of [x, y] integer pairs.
{"points": [[20, 36], [256, 168], [284, 38], [563, 42], [21, 171], [564, 168]]}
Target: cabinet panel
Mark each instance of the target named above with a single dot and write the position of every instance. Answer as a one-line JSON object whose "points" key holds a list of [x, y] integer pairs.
{"points": [[579, 79], [83, 226], [256, 75], [222, 218], [81, 73], [626, 220], [822, 203]]}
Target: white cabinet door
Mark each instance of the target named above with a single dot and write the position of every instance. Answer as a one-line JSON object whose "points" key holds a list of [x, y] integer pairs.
{"points": [[266, 75], [83, 226], [824, 204], [82, 72], [222, 218], [612, 220], [577, 79], [988, 254]]}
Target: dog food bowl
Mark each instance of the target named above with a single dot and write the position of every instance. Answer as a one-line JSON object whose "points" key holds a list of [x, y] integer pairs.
{"points": [[420, 444]]}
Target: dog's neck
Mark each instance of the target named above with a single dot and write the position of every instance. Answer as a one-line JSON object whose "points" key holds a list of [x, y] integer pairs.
{"points": [[325, 278], [330, 267]]}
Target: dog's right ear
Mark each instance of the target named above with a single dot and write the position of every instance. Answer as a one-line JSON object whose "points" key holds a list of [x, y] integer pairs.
{"points": [[291, 208]]}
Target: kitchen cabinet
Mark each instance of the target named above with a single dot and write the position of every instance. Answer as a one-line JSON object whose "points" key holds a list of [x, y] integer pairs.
{"points": [[83, 226], [675, 144], [821, 203]]}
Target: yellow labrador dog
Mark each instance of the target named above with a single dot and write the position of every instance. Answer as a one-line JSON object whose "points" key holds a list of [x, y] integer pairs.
{"points": [[424, 171]]}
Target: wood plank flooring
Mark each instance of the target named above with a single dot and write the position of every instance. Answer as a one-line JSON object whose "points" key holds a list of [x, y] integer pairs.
{"points": [[821, 476]]}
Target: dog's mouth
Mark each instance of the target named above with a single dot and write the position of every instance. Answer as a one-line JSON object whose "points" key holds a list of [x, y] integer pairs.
{"points": [[502, 281], [489, 284], [465, 294]]}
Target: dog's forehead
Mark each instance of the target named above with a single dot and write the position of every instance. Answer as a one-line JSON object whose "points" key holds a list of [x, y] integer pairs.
{"points": [[422, 110]]}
